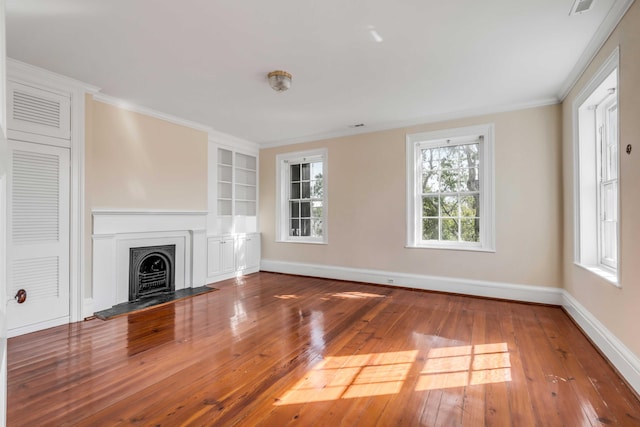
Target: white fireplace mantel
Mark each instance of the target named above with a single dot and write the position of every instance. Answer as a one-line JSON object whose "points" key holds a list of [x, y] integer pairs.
{"points": [[116, 231]]}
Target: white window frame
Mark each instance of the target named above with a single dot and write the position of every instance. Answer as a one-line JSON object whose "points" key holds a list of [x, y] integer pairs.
{"points": [[588, 209], [414, 143], [282, 195]]}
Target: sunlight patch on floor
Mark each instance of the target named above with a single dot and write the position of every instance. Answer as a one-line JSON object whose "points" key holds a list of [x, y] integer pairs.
{"points": [[347, 377], [461, 366], [356, 295], [290, 296], [377, 374]]}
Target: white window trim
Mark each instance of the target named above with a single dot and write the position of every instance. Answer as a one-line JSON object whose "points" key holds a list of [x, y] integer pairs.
{"points": [[487, 188], [581, 258], [282, 202]]}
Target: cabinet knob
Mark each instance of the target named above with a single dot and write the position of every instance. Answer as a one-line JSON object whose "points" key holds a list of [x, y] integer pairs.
{"points": [[21, 296]]}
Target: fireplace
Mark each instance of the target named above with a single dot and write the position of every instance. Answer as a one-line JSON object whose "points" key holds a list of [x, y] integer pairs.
{"points": [[115, 233], [151, 271]]}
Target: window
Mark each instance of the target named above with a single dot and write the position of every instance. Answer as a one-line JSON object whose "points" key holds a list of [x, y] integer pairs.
{"points": [[450, 189], [596, 159], [302, 197]]}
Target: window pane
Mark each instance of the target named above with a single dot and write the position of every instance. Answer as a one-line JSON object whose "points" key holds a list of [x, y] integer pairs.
{"points": [[430, 182], [430, 206], [449, 229], [306, 171], [609, 201], [295, 172], [430, 158], [470, 206], [295, 209], [430, 229], [469, 156], [316, 170], [449, 180], [306, 190], [316, 227], [305, 209], [295, 227], [316, 189], [612, 172], [305, 227], [449, 157], [449, 206], [295, 190], [609, 245], [470, 229], [316, 209], [469, 180], [612, 140]]}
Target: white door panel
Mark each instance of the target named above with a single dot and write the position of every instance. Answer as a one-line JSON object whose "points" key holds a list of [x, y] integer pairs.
{"points": [[38, 238]]}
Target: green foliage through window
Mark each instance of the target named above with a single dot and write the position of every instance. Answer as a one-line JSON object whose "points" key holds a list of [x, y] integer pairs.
{"points": [[451, 193]]}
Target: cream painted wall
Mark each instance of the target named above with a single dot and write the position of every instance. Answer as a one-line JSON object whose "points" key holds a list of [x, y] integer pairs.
{"points": [[367, 204], [138, 162], [616, 308]]}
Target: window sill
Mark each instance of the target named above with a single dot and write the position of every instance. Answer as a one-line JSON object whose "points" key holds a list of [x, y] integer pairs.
{"points": [[307, 242], [608, 275], [452, 248]]}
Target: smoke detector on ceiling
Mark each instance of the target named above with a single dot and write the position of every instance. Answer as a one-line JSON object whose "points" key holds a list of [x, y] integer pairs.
{"points": [[581, 6]]}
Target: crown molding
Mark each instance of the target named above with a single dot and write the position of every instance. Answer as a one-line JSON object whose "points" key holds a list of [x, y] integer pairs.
{"points": [[230, 141], [125, 105], [598, 40], [434, 118], [30, 73]]}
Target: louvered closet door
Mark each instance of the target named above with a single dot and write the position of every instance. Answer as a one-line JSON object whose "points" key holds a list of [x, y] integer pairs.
{"points": [[38, 234]]}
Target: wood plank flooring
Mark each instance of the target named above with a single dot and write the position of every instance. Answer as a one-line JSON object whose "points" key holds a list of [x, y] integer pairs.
{"points": [[278, 350]]}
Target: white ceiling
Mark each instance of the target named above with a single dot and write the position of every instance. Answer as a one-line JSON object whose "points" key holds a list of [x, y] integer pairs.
{"points": [[207, 60]]}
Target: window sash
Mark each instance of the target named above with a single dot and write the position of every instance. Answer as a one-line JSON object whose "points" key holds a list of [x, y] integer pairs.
{"points": [[608, 190], [302, 218], [305, 210], [446, 223]]}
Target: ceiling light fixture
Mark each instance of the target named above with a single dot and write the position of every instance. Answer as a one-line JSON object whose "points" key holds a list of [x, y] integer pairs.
{"points": [[279, 80]]}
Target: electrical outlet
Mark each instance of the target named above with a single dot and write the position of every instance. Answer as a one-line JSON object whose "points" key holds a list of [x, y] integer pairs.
{"points": [[390, 281]]}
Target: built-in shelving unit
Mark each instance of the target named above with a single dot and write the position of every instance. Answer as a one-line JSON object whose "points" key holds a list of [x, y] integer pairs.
{"points": [[233, 236], [225, 182], [245, 184], [237, 183]]}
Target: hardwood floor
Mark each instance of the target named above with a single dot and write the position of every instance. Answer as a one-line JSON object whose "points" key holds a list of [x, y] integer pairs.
{"points": [[277, 350]]}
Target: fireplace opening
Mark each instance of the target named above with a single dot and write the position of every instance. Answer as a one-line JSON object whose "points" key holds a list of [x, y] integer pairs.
{"points": [[151, 271]]}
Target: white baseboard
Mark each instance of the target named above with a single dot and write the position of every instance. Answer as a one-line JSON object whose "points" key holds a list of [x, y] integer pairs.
{"points": [[233, 274], [37, 326], [623, 359], [508, 291]]}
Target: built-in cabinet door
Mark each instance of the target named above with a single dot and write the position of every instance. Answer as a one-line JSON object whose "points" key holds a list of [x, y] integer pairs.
{"points": [[228, 255], [214, 257], [220, 256], [38, 234], [247, 251]]}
